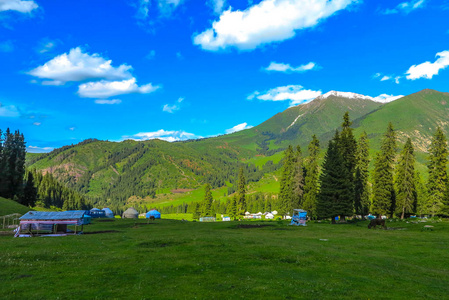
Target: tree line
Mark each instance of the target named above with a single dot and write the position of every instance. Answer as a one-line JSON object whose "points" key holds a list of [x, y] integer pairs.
{"points": [[342, 187]]}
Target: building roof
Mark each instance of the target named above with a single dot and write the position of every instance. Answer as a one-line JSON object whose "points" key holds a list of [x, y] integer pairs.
{"points": [[53, 215]]}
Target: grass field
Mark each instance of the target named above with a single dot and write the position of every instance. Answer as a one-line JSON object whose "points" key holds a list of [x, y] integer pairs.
{"points": [[10, 207], [171, 259]]}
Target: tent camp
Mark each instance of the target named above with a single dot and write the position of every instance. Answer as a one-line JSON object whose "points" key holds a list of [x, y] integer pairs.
{"points": [[108, 212], [153, 213], [130, 213]]}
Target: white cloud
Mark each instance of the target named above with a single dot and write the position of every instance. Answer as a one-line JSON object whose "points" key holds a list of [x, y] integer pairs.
{"points": [[104, 101], [46, 45], [78, 66], [105, 89], [172, 108], [266, 22], [239, 127], [9, 111], [36, 149], [428, 69], [18, 5], [384, 98], [37, 123], [6, 46], [296, 94], [72, 128], [405, 7], [165, 135], [385, 78], [217, 5], [286, 68], [396, 79]]}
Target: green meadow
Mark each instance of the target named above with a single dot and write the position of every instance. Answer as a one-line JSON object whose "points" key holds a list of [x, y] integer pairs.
{"points": [[172, 259]]}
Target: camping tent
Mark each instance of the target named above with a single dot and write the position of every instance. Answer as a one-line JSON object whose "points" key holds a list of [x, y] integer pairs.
{"points": [[153, 213], [269, 216], [108, 212], [130, 213]]}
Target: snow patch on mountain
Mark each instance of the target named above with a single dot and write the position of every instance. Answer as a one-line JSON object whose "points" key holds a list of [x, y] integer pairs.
{"points": [[383, 98], [293, 123]]}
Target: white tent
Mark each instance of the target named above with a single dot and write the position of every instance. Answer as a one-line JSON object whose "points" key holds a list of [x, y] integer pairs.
{"points": [[269, 216], [274, 212], [247, 213]]}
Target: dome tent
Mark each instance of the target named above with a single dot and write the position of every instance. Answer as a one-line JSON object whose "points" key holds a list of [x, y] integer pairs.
{"points": [[153, 213], [130, 213], [108, 212]]}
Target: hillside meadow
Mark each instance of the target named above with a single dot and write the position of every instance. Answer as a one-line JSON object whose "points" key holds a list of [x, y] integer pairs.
{"points": [[172, 259]]}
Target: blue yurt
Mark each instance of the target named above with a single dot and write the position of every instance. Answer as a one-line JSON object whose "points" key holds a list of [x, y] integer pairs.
{"points": [[153, 213], [108, 212]]}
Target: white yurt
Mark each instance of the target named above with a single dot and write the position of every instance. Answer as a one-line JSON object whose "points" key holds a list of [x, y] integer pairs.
{"points": [[130, 213]]}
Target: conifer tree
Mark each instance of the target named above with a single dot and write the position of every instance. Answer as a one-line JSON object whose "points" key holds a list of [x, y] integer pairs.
{"points": [[311, 178], [207, 202], [335, 196], [383, 187], [196, 211], [422, 199], [405, 181], [437, 184], [30, 192], [348, 147], [286, 184], [361, 179], [297, 180], [241, 193], [233, 213]]}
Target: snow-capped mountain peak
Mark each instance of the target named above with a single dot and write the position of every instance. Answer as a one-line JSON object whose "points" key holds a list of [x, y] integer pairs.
{"points": [[383, 98]]}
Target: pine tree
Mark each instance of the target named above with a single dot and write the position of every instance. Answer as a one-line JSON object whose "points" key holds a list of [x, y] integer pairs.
{"points": [[241, 193], [437, 184], [361, 179], [30, 192], [348, 148], [196, 211], [335, 196], [405, 180], [297, 180], [286, 184], [311, 178], [233, 213], [422, 199], [383, 187], [207, 202]]}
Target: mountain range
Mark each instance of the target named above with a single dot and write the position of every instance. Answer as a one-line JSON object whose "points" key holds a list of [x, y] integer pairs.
{"points": [[117, 172]]}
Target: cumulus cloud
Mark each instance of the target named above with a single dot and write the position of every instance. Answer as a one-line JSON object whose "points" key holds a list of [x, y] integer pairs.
{"points": [[172, 108], [266, 22], [165, 135], [296, 94], [104, 101], [105, 89], [79, 66], [428, 69], [405, 7], [286, 68], [18, 5], [36, 149], [10, 111], [239, 127]]}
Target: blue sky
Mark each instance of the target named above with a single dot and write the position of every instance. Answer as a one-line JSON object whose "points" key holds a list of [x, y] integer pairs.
{"points": [[180, 69]]}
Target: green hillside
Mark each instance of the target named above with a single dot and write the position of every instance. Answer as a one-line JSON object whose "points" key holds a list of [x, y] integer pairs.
{"points": [[111, 172], [10, 207]]}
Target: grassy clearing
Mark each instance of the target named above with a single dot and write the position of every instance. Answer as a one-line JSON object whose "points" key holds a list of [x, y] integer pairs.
{"points": [[10, 207], [185, 260]]}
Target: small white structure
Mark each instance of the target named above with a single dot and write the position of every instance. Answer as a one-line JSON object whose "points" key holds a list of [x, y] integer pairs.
{"points": [[287, 217], [247, 213], [274, 212], [269, 216], [226, 219], [259, 213]]}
